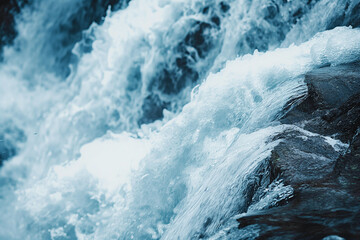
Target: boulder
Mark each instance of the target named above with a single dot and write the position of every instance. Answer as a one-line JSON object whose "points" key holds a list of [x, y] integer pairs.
{"points": [[323, 171], [332, 103]]}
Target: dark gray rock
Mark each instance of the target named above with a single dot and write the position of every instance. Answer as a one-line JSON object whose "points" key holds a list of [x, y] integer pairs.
{"points": [[332, 105], [313, 225], [321, 204], [325, 178], [348, 166], [344, 120], [330, 87], [302, 159]]}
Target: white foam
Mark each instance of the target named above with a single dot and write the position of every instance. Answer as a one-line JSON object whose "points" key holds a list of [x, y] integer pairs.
{"points": [[77, 178]]}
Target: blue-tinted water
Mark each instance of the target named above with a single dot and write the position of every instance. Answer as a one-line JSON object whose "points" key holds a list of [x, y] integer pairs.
{"points": [[147, 124]]}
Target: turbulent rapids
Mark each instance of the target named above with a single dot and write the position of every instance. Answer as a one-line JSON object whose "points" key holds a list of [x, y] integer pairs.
{"points": [[145, 119]]}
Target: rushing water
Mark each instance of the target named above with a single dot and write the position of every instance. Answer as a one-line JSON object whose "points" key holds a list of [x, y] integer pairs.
{"points": [[147, 124]]}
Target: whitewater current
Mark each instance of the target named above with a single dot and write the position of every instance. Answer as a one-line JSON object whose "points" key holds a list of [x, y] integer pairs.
{"points": [[146, 123]]}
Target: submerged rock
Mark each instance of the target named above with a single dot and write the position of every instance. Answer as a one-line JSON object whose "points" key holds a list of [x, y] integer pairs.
{"points": [[323, 172]]}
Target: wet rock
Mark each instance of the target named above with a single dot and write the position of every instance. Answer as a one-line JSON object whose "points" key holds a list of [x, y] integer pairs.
{"points": [[348, 166], [331, 87], [332, 105], [287, 224], [323, 172], [321, 204], [344, 120], [302, 159]]}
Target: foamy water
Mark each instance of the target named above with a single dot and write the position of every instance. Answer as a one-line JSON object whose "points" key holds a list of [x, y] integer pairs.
{"points": [[159, 123]]}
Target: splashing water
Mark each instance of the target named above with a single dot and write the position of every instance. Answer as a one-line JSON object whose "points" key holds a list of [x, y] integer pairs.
{"points": [[167, 110]]}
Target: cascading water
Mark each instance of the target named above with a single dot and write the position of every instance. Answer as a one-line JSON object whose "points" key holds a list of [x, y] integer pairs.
{"points": [[150, 125]]}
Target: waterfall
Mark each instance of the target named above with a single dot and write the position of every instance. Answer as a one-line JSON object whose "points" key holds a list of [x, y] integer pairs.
{"points": [[145, 119]]}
